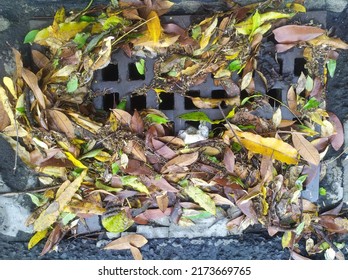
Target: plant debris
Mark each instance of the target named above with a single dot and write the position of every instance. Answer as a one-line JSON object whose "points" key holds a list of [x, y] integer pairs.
{"points": [[130, 167]]}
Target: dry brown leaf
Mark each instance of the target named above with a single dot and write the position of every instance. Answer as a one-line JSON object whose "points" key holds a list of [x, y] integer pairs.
{"points": [[229, 160], [136, 253], [85, 122], [137, 123], [336, 140], [296, 33], [125, 242], [162, 149], [292, 100], [163, 184], [39, 59], [172, 140], [122, 116], [246, 80], [181, 161], [61, 123], [162, 201], [4, 119], [32, 81], [55, 236], [306, 149], [220, 200], [324, 40], [284, 47], [266, 168]]}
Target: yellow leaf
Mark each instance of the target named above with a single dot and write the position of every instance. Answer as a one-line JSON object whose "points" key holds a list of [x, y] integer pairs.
{"points": [[297, 7], [85, 122], [36, 238], [286, 239], [75, 161], [154, 26], [103, 156], [117, 223], [7, 105], [267, 146], [66, 31], [203, 199], [10, 86], [51, 213], [207, 34]]}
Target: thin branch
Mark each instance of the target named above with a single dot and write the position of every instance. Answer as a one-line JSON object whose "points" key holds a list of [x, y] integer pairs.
{"points": [[231, 128], [28, 191]]}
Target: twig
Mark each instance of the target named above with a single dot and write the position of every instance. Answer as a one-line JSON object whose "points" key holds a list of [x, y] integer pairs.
{"points": [[16, 152], [230, 126], [28, 191], [336, 158]]}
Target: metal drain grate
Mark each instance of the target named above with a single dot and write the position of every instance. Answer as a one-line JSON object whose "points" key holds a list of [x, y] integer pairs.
{"points": [[120, 79]]}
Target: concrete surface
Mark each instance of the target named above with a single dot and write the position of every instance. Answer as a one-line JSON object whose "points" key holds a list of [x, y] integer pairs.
{"points": [[14, 18]]}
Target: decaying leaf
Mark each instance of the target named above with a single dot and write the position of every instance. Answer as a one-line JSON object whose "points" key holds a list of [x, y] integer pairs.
{"points": [[50, 215], [119, 222], [32, 81], [203, 199], [296, 33], [126, 242], [181, 160], [61, 122], [268, 146], [306, 149]]}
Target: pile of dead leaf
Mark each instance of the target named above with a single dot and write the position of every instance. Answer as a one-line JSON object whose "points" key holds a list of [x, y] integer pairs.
{"points": [[131, 168]]}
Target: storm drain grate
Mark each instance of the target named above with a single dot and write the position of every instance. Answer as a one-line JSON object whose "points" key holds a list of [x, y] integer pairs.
{"points": [[120, 79]]}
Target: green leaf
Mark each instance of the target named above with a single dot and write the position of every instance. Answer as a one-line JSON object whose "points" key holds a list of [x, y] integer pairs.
{"points": [[153, 118], [256, 21], [133, 182], [38, 199], [140, 65], [195, 214], [331, 67], [91, 154], [246, 127], [80, 39], [311, 104], [196, 32], [201, 198], [235, 65], [213, 159], [30, 37], [300, 180], [113, 21], [299, 228], [117, 223], [122, 105], [102, 186], [72, 84], [115, 168], [67, 217], [246, 99], [322, 191], [309, 83], [196, 116], [87, 18]]}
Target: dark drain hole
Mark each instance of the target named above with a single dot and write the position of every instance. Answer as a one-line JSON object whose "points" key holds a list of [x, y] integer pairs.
{"points": [[110, 73], [219, 93], [192, 123], [111, 100], [276, 94], [280, 62], [300, 66], [188, 102], [167, 101], [138, 102], [134, 75]]}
